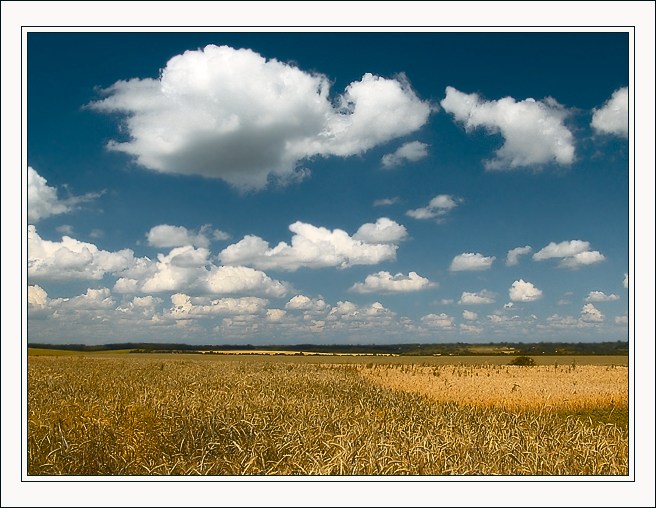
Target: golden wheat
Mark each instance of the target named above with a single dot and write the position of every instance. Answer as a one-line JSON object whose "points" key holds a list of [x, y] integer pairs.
{"points": [[567, 387], [191, 415]]}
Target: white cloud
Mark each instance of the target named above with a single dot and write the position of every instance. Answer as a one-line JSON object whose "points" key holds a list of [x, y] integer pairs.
{"points": [[512, 258], [189, 269], [42, 200], [93, 299], [384, 230], [385, 282], [229, 113], [480, 298], [498, 319], [469, 315], [165, 235], [242, 279], [469, 261], [574, 254], [590, 314], [409, 152], [185, 307], [72, 259], [95, 305], [613, 116], [302, 302], [437, 208], [344, 308], [182, 268], [347, 315], [622, 320], [275, 315], [386, 201], [582, 259], [522, 291], [316, 247], [126, 285], [144, 307], [442, 321], [219, 235], [561, 250], [65, 229], [600, 296], [625, 282], [37, 297], [558, 321], [533, 131], [473, 329]]}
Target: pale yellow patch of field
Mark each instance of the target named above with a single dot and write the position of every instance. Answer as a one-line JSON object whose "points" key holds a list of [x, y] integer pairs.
{"points": [[509, 387]]}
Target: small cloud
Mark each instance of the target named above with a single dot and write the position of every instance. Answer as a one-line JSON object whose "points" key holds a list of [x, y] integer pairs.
{"points": [[613, 116], [480, 298], [534, 131], [37, 297], [600, 296], [438, 208], [302, 302], [96, 233], [573, 254], [469, 261], [473, 329], [512, 258], [42, 200], [65, 229], [386, 201], [219, 235], [582, 259], [522, 291], [383, 230], [625, 282], [622, 320], [409, 152], [166, 235], [469, 315], [275, 315], [590, 314], [385, 282], [442, 321]]}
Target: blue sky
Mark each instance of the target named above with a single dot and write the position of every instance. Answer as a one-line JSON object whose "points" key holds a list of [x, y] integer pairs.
{"points": [[327, 187]]}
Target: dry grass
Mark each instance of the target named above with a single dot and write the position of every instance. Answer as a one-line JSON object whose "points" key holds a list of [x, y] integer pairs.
{"points": [[190, 415]]}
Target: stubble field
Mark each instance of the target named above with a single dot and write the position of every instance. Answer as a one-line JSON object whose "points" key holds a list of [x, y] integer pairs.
{"points": [[226, 415]]}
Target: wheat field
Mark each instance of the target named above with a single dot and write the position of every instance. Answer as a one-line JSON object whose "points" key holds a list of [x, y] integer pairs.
{"points": [[227, 416]]}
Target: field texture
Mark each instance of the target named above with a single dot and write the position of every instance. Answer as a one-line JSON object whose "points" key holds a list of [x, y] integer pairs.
{"points": [[224, 415]]}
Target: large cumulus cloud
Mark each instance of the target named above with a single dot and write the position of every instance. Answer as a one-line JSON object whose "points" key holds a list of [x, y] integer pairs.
{"points": [[232, 114]]}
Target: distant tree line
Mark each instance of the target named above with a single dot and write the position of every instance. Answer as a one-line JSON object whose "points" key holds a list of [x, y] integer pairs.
{"points": [[417, 349]]}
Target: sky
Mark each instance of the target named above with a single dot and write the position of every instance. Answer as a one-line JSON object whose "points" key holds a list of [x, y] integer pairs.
{"points": [[327, 187]]}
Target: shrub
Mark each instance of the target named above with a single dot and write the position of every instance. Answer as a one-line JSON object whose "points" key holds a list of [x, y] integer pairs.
{"points": [[524, 361]]}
